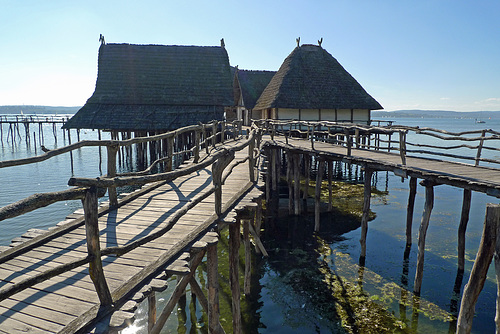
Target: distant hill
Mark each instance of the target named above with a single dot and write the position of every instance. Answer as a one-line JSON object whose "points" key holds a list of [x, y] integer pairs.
{"points": [[434, 114], [34, 110]]}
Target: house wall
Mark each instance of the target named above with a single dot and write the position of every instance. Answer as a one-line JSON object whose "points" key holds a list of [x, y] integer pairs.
{"points": [[339, 115]]}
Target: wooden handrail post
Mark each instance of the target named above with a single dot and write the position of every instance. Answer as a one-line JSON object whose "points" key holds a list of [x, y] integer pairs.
{"points": [[348, 141], [480, 147], [112, 151], [251, 159], [402, 146], [217, 170], [312, 136], [489, 245], [356, 134], [222, 131], [170, 153], [196, 151], [93, 247], [214, 134]]}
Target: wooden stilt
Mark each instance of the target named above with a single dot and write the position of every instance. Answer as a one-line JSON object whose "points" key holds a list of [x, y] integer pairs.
{"points": [[151, 310], [274, 170], [488, 246], [330, 189], [366, 213], [317, 195], [426, 216], [409, 210], [112, 151], [248, 254], [289, 177], [234, 246], [296, 184], [464, 219], [213, 289], [177, 293], [307, 170]]}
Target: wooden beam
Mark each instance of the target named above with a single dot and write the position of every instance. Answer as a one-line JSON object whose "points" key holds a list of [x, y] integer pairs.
{"points": [[424, 224], [366, 213], [462, 227], [234, 246], [488, 246], [410, 209]]}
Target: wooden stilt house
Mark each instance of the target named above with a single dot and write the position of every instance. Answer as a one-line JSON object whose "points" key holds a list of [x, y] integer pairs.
{"points": [[157, 88], [248, 86], [311, 85]]}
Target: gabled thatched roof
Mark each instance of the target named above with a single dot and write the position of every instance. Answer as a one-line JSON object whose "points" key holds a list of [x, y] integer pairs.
{"points": [[156, 87], [252, 84], [310, 78]]}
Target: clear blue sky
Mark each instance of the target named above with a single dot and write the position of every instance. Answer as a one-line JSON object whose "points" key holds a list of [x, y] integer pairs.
{"points": [[439, 54]]}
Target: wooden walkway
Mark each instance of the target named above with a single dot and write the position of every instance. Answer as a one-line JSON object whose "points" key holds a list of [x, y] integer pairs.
{"points": [[476, 178], [64, 303]]}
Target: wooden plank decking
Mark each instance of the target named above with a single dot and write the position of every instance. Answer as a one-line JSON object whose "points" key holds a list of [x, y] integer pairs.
{"points": [[50, 306], [480, 178]]}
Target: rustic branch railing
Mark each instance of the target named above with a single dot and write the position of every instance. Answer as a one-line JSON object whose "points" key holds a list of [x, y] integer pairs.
{"points": [[89, 194], [411, 140]]}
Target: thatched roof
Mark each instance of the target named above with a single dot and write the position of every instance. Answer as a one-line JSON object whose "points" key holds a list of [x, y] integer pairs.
{"points": [[156, 87], [252, 84], [310, 78]]}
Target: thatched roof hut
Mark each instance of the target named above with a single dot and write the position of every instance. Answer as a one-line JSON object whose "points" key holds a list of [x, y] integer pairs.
{"points": [[157, 87], [312, 79]]}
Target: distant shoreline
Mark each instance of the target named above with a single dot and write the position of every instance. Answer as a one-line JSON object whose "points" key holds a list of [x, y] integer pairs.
{"points": [[35, 110]]}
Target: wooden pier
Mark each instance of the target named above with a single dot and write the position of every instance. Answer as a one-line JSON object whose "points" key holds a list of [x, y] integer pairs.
{"points": [[90, 272]]}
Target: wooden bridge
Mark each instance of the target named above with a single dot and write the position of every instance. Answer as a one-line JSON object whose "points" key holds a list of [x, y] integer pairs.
{"points": [[90, 272]]}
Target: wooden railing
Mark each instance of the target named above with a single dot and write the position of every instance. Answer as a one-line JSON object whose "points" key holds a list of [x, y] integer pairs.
{"points": [[89, 189], [408, 141]]}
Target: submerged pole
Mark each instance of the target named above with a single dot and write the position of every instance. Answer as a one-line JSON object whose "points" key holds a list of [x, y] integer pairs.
{"points": [[366, 213], [426, 216], [464, 219], [409, 210]]}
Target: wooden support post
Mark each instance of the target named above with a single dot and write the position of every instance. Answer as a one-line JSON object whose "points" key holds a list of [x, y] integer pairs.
{"points": [[248, 256], [426, 216], [274, 170], [217, 170], [409, 210], [213, 289], [112, 151], [151, 310], [234, 246], [70, 152], [196, 150], [307, 169], [348, 141], [170, 153], [93, 247], [330, 189], [214, 134], [366, 213], [402, 146], [251, 160], [490, 245], [296, 184], [464, 219], [480, 147], [317, 194], [289, 178], [222, 131], [356, 134], [177, 293], [312, 136]]}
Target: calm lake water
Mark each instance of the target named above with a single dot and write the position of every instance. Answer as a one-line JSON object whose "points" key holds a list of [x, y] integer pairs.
{"points": [[282, 300]]}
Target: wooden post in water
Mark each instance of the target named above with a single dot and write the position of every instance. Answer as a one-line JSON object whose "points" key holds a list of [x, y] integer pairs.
{"points": [[409, 210], [366, 213], [151, 310], [490, 245], [330, 189], [112, 151], [289, 178], [424, 224], [307, 170], [93, 247], [248, 256], [464, 219], [402, 146], [296, 184], [317, 194], [70, 152], [213, 288], [234, 246]]}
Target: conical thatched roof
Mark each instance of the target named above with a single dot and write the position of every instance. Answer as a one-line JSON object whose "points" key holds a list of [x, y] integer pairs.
{"points": [[310, 78], [252, 84], [157, 87]]}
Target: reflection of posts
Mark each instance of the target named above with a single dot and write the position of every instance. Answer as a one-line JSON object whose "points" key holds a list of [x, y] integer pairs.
{"points": [[366, 213]]}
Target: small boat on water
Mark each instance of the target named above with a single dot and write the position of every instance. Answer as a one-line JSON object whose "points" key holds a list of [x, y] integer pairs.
{"points": [[479, 121]]}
